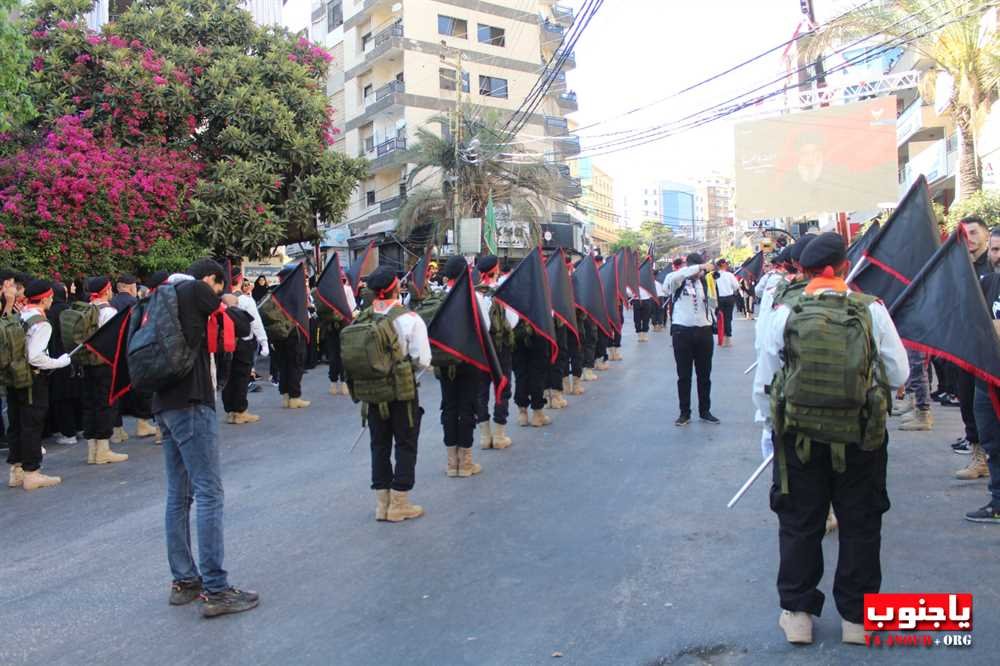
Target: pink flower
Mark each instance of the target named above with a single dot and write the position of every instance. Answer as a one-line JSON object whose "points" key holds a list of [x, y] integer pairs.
{"points": [[44, 235], [293, 57], [159, 80], [83, 59], [38, 64], [94, 40], [260, 208], [117, 42]]}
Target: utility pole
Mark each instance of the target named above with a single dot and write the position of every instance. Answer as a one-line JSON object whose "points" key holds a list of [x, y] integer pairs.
{"points": [[806, 7], [458, 136]]}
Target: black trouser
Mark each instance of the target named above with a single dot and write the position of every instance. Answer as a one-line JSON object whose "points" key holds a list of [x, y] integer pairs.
{"points": [[616, 339], [459, 401], [859, 499], [312, 347], [531, 362], [601, 348], [234, 393], [403, 426], [291, 359], [64, 401], [501, 407], [332, 338], [726, 305], [642, 310], [693, 346], [98, 416], [32, 407], [589, 331], [574, 353], [966, 387], [658, 315], [560, 367]]}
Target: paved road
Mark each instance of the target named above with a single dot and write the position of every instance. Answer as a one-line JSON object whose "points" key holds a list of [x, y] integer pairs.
{"points": [[604, 537]]}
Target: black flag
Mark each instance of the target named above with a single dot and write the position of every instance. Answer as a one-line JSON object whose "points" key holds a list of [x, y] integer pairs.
{"points": [[361, 268], [646, 279], [329, 290], [110, 344], [752, 268], [526, 292], [459, 329], [561, 291], [862, 243], [292, 296], [609, 285], [901, 247], [942, 312], [589, 293], [418, 276]]}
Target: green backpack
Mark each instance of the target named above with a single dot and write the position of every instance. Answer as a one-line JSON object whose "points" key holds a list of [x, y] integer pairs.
{"points": [[832, 386], [427, 308], [76, 324], [15, 373], [377, 371], [277, 326], [788, 291]]}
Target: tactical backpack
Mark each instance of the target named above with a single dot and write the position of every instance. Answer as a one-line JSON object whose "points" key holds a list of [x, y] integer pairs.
{"points": [[832, 387], [500, 330], [377, 371], [788, 291], [428, 306], [326, 314], [158, 353], [76, 324], [276, 324], [15, 372]]}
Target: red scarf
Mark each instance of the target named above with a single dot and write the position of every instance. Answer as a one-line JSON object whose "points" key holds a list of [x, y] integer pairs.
{"points": [[228, 331]]}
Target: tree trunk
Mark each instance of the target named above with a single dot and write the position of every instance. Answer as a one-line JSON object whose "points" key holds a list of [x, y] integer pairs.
{"points": [[970, 176]]}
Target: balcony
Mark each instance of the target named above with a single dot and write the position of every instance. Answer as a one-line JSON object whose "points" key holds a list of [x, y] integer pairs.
{"points": [[388, 154], [385, 44], [562, 14], [555, 126], [569, 145], [570, 61], [383, 99], [558, 85], [567, 102], [570, 188], [562, 170], [552, 33], [390, 204]]}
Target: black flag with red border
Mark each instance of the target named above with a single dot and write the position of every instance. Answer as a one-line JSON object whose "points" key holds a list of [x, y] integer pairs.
{"points": [[418, 276], [110, 344], [590, 294], [561, 291], [459, 329], [292, 298], [646, 280], [526, 292], [359, 269], [752, 268], [330, 290], [857, 248], [609, 285], [901, 247]]}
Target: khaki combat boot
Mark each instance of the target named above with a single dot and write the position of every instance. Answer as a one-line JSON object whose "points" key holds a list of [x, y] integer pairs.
{"points": [[239, 418], [500, 438], [452, 461], [577, 386], [601, 365], [91, 452], [334, 388], [904, 406], [589, 375], [144, 428], [105, 455], [400, 508], [119, 435], [35, 480], [567, 386], [16, 476], [556, 400], [284, 400], [465, 465], [344, 390], [381, 504], [297, 403], [917, 419], [798, 627], [539, 418], [617, 354], [230, 419], [852, 633], [522, 416], [485, 435], [831, 521], [977, 466]]}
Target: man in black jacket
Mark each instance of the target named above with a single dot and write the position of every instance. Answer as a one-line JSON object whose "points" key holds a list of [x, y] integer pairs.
{"points": [[186, 412], [64, 384]]}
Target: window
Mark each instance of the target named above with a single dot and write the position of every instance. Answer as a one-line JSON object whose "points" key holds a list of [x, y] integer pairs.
{"points": [[453, 27], [366, 39], [368, 90], [334, 15], [370, 198], [447, 79], [491, 35], [491, 86]]}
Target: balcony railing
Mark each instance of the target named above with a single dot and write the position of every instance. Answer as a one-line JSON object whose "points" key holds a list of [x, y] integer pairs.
{"points": [[390, 204], [396, 30], [562, 170], [392, 145], [569, 145], [551, 30], [389, 89], [555, 126], [562, 13], [567, 100]]}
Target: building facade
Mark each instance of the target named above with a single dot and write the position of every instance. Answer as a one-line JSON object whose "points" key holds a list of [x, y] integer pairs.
{"points": [[598, 201]]}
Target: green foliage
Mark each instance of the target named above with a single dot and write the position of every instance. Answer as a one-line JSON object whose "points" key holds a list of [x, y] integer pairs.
{"points": [[984, 204], [629, 239], [661, 237], [15, 103], [174, 254], [737, 255]]}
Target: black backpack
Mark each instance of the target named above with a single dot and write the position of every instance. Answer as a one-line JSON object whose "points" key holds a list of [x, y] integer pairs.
{"points": [[158, 352]]}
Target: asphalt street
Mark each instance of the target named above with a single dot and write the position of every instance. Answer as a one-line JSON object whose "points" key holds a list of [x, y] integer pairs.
{"points": [[603, 539]]}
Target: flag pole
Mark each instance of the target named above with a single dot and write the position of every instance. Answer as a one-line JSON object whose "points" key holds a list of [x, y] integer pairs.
{"points": [[749, 482], [76, 349]]}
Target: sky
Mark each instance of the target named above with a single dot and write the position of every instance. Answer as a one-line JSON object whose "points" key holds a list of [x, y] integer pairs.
{"points": [[635, 52]]}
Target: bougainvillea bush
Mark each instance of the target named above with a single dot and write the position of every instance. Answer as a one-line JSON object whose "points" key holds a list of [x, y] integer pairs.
{"points": [[80, 204]]}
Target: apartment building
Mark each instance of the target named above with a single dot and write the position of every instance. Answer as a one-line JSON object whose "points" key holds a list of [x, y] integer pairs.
{"points": [[598, 201], [713, 207]]}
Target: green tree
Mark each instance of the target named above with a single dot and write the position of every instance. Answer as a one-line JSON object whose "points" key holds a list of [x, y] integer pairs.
{"points": [[15, 103], [661, 237], [954, 48], [631, 239], [247, 102], [486, 165], [983, 204]]}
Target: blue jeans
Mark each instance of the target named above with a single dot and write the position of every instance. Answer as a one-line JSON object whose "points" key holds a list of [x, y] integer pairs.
{"points": [[191, 453], [989, 438]]}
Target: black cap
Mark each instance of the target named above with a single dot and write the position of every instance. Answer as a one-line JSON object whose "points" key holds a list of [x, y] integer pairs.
{"points": [[454, 267], [36, 288], [487, 263], [156, 278], [97, 284], [127, 278], [380, 278], [795, 253], [827, 249], [694, 259], [59, 291]]}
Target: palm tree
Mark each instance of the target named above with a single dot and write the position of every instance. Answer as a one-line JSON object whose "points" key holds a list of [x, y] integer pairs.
{"points": [[951, 43], [487, 165]]}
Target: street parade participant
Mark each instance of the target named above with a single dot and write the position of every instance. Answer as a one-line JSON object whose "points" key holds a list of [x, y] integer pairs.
{"points": [[30, 398], [691, 334], [135, 403], [64, 383], [839, 456], [388, 389], [291, 360], [987, 421], [331, 333], [642, 311], [659, 317], [573, 381], [728, 289], [503, 321], [604, 338], [589, 301], [234, 393]]}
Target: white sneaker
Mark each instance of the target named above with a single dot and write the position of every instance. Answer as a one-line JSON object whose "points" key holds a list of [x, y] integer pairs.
{"points": [[65, 440]]}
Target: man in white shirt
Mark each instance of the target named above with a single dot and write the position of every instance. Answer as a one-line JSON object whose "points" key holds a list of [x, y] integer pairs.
{"points": [[402, 423], [642, 311], [858, 492], [98, 415], [503, 340], [234, 393], [691, 332], [32, 402], [727, 287]]}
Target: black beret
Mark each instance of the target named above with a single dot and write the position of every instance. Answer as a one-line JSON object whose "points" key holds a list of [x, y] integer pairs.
{"points": [[454, 267], [380, 278], [795, 253], [97, 284], [694, 259], [826, 249], [487, 263], [37, 288], [782, 257], [7, 274], [156, 278], [477, 277], [127, 278]]}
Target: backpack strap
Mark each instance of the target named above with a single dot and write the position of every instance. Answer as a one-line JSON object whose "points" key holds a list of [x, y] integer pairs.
{"points": [[31, 321]]}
